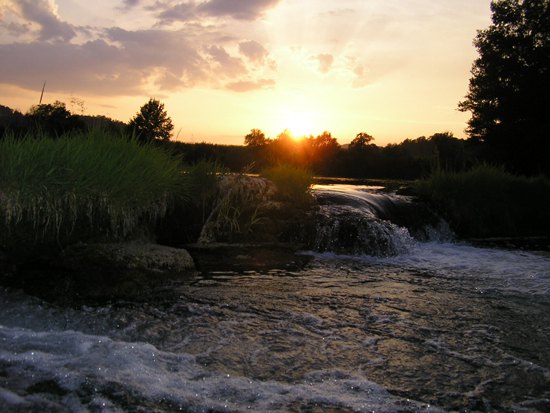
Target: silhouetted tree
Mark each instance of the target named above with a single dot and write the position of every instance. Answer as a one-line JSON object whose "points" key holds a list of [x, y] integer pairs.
{"points": [[11, 120], [361, 141], [53, 119], [151, 122], [255, 138], [509, 91]]}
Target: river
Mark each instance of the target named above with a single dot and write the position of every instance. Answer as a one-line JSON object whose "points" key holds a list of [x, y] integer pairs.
{"points": [[431, 325]]}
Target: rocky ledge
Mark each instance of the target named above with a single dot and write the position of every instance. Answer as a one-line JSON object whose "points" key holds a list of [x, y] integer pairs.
{"points": [[144, 257], [85, 273]]}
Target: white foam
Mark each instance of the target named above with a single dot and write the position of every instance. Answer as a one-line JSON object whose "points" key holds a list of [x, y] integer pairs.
{"points": [[80, 363], [503, 270]]}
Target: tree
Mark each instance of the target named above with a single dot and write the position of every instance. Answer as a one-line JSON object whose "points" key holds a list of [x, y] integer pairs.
{"points": [[255, 138], [509, 91], [151, 122], [361, 141], [53, 118]]}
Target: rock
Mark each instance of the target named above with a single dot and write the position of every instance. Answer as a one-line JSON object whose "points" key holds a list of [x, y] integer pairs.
{"points": [[247, 257], [90, 273], [142, 257]]}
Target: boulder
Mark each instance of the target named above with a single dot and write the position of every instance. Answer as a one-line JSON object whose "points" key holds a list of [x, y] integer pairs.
{"points": [[120, 257], [89, 273]]}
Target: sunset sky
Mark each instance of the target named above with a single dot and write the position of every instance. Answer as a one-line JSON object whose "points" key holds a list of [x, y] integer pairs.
{"points": [[395, 69]]}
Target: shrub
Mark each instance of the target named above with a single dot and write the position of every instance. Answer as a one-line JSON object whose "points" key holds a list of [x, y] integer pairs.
{"points": [[293, 184], [489, 202], [81, 186]]}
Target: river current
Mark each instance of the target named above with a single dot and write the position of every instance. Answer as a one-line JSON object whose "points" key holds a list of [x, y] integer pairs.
{"points": [[434, 326]]}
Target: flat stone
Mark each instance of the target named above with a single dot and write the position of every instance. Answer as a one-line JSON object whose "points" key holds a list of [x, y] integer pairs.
{"points": [[146, 257]]}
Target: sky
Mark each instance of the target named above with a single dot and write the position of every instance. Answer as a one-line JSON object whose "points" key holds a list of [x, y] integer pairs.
{"points": [[395, 69]]}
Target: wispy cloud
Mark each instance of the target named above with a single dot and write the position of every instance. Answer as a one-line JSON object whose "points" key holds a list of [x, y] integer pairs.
{"points": [[228, 66], [253, 50], [237, 9], [116, 61], [325, 62], [43, 13]]}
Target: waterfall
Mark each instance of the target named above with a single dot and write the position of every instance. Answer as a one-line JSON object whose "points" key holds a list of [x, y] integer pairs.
{"points": [[366, 220]]}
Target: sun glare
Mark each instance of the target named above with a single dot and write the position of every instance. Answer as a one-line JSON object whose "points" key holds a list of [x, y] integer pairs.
{"points": [[299, 124]]}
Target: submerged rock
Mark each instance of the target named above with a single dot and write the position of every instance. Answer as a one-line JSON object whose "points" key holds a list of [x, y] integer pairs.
{"points": [[146, 257], [89, 273]]}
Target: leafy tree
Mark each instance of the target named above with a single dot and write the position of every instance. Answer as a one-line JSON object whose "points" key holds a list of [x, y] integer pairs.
{"points": [[11, 120], [151, 122], [255, 138], [361, 141], [53, 118], [509, 91]]}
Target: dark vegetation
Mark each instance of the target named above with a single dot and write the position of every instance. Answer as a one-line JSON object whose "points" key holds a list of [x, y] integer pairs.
{"points": [[58, 172], [509, 91], [489, 202], [83, 186]]}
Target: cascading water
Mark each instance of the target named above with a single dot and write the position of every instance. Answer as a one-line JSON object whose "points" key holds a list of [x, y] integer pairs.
{"points": [[438, 327], [357, 220]]}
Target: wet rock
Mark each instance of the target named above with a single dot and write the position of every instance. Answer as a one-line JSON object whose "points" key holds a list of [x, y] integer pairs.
{"points": [[146, 257], [247, 257], [90, 273]]}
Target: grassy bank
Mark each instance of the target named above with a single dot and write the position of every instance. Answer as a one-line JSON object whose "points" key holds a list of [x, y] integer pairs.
{"points": [[90, 185], [293, 184], [488, 202]]}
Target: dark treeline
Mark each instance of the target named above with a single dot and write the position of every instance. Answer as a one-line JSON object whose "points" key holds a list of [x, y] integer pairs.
{"points": [[324, 156], [52, 119]]}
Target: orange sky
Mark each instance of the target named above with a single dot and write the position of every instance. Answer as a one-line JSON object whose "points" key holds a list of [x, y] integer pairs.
{"points": [[395, 69]]}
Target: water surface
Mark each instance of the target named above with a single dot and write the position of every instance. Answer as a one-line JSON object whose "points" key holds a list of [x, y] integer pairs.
{"points": [[439, 327]]}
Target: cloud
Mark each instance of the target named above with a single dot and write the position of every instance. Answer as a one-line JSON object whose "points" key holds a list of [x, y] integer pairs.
{"points": [[124, 63], [179, 12], [325, 62], [44, 14], [253, 50], [128, 4], [114, 61], [230, 66], [250, 85], [237, 9]]}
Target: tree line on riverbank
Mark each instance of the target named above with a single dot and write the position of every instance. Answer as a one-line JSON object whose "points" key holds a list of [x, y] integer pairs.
{"points": [[323, 155]]}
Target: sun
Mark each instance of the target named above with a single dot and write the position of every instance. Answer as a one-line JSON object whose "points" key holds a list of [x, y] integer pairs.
{"points": [[299, 124]]}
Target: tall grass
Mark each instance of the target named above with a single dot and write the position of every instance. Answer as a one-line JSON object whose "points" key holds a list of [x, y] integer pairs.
{"points": [[91, 184], [293, 184], [488, 202]]}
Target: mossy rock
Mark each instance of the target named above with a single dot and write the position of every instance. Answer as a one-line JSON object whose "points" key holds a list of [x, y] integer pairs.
{"points": [[94, 273], [146, 257]]}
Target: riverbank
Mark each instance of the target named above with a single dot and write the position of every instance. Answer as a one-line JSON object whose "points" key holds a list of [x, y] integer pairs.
{"points": [[487, 202]]}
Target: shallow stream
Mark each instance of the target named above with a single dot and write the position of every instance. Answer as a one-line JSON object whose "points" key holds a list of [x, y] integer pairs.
{"points": [[441, 326]]}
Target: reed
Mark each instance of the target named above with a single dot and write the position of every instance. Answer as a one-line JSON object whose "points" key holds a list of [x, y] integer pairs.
{"points": [[85, 185], [293, 184], [489, 202]]}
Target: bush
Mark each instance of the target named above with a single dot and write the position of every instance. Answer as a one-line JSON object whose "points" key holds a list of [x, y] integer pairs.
{"points": [[87, 185], [489, 202], [293, 184]]}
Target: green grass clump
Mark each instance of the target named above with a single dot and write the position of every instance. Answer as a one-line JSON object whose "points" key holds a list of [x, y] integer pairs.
{"points": [[81, 186], [489, 202], [293, 184]]}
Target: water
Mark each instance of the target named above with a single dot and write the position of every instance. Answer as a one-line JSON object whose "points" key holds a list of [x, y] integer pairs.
{"points": [[438, 326]]}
